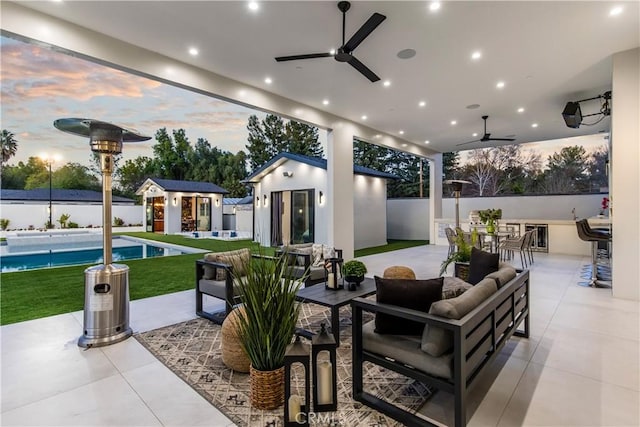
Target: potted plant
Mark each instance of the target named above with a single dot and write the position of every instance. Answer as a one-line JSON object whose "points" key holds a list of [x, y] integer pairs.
{"points": [[268, 294], [489, 217], [462, 255], [354, 271]]}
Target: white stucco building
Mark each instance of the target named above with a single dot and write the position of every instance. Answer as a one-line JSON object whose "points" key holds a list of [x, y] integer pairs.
{"points": [[173, 206], [292, 204]]}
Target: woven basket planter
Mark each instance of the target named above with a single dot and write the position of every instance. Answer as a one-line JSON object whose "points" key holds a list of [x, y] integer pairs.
{"points": [[461, 270], [233, 355], [267, 388]]}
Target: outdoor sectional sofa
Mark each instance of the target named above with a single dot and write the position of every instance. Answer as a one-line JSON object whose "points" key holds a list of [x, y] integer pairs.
{"points": [[465, 333], [308, 257]]}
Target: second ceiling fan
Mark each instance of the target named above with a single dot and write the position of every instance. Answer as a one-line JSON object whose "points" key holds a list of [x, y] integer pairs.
{"points": [[345, 52], [486, 136]]}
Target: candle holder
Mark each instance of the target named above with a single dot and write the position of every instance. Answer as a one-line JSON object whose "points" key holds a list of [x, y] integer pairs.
{"points": [[296, 412], [333, 278], [325, 382]]}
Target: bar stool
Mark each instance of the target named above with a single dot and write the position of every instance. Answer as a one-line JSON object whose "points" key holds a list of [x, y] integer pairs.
{"points": [[588, 235]]}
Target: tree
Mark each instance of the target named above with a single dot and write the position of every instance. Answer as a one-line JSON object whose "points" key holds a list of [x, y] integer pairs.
{"points": [[132, 174], [272, 136], [171, 154], [302, 139], [15, 177], [75, 176], [567, 171], [257, 144], [597, 169], [9, 146], [450, 163]]}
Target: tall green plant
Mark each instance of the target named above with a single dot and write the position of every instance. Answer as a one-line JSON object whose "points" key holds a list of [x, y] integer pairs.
{"points": [[271, 312], [463, 249]]}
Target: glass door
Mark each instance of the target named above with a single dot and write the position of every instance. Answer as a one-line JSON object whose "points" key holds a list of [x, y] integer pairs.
{"points": [[158, 214], [149, 214], [302, 216], [203, 213]]}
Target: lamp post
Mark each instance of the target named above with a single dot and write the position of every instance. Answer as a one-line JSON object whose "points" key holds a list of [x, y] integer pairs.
{"points": [[49, 160]]}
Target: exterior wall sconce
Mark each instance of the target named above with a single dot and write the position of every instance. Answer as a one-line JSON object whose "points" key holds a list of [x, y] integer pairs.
{"points": [[234, 210], [265, 200], [257, 201], [287, 174], [320, 197], [217, 202], [175, 201]]}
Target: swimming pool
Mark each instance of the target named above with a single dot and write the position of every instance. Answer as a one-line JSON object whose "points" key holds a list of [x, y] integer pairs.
{"points": [[123, 249]]}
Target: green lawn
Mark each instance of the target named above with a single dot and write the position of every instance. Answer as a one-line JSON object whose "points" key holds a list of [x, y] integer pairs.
{"points": [[26, 295], [392, 245]]}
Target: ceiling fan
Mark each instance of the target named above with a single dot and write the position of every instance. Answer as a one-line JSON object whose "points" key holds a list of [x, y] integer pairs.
{"points": [[486, 136], [344, 53]]}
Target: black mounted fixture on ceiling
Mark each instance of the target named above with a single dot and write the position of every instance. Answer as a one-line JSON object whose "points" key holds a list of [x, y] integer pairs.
{"points": [[572, 113], [344, 53], [486, 136]]}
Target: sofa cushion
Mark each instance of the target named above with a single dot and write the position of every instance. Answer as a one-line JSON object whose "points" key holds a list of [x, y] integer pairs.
{"points": [[436, 340], [481, 264], [456, 308], [453, 287], [503, 275], [217, 288], [303, 251], [406, 349], [407, 293]]}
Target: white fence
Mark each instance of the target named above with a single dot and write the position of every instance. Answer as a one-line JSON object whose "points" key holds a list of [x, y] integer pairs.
{"points": [[24, 216], [409, 218]]}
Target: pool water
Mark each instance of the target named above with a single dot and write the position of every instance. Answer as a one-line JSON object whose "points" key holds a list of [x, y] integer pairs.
{"points": [[57, 258]]}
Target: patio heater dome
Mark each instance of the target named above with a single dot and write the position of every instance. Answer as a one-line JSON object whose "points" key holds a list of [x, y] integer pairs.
{"points": [[106, 294]]}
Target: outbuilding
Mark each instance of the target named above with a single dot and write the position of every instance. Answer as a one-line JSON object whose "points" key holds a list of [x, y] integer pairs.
{"points": [[290, 199], [173, 206]]}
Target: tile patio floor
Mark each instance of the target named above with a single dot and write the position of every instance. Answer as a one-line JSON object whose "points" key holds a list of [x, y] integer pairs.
{"points": [[579, 368]]}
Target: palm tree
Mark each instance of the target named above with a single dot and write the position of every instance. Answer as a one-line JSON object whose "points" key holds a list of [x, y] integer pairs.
{"points": [[9, 145]]}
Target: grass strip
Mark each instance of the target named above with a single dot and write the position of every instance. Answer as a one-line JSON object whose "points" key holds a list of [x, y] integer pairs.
{"points": [[392, 245]]}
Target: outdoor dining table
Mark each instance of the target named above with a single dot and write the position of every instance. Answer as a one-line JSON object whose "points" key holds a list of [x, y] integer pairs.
{"points": [[494, 238]]}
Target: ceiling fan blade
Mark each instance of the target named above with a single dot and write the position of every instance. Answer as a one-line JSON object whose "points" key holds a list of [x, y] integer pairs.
{"points": [[501, 139], [371, 24], [468, 142], [363, 69], [308, 56]]}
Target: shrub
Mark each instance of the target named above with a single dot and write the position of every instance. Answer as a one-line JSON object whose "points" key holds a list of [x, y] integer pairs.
{"points": [[72, 224], [4, 223], [118, 222], [354, 268]]}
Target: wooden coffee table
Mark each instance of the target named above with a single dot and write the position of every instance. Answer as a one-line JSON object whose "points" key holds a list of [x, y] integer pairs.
{"points": [[318, 294]]}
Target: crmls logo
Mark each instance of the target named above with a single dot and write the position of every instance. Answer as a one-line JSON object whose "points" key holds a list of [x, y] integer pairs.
{"points": [[329, 419]]}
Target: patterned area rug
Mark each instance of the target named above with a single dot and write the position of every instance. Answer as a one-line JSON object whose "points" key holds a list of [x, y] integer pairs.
{"points": [[192, 351]]}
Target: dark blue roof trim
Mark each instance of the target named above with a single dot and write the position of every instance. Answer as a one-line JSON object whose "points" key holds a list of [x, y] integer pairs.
{"points": [[319, 163], [58, 195], [188, 186]]}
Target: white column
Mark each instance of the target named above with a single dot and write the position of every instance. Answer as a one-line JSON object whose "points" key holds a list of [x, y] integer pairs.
{"points": [[625, 179], [340, 188], [435, 195]]}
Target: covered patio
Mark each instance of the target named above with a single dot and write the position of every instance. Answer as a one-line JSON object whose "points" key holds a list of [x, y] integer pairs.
{"points": [[583, 352]]}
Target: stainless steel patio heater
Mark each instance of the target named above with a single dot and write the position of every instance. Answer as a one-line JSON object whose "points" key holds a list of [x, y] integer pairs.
{"points": [[457, 184], [106, 292]]}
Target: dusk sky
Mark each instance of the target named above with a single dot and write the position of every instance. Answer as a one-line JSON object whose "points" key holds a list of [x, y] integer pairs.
{"points": [[40, 86]]}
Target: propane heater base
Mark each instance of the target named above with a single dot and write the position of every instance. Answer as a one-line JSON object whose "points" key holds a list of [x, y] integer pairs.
{"points": [[88, 342]]}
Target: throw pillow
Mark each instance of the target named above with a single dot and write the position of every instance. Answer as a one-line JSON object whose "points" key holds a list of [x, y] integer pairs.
{"points": [[454, 287], [503, 275], [304, 251], [316, 259], [328, 252], [481, 264], [456, 308], [413, 294], [436, 340]]}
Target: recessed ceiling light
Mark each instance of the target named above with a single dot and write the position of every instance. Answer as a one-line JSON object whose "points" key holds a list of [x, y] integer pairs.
{"points": [[332, 52], [534, 125], [454, 122], [377, 135], [476, 55], [193, 51], [422, 103], [401, 132], [253, 5], [325, 102], [521, 110], [434, 6], [406, 53], [427, 141], [616, 11], [268, 80], [404, 145], [500, 85], [364, 117], [475, 134], [386, 83]]}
